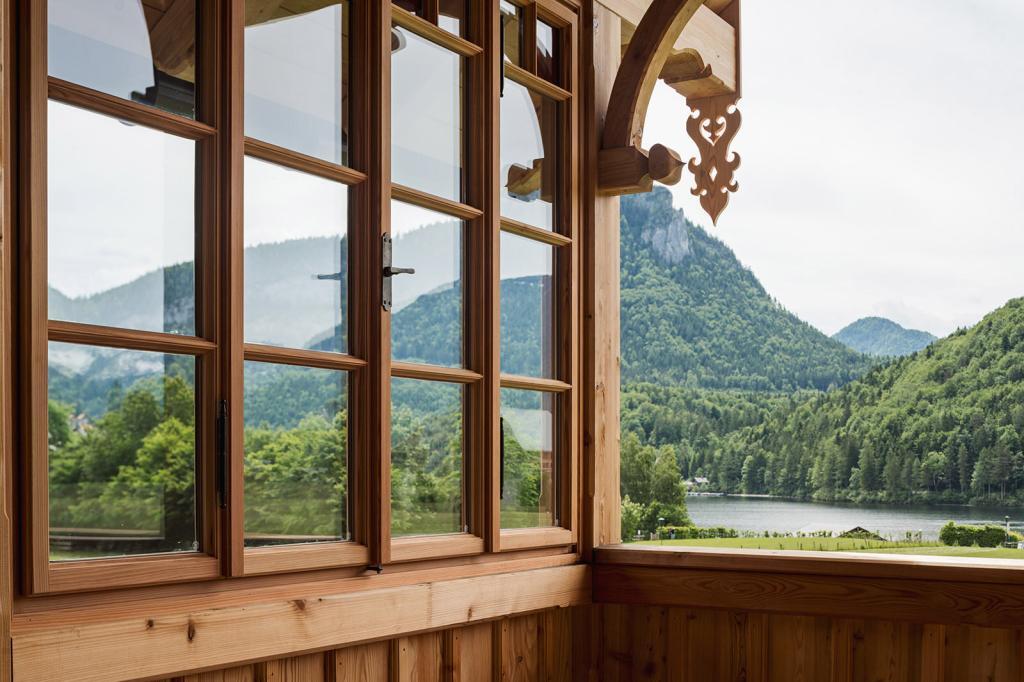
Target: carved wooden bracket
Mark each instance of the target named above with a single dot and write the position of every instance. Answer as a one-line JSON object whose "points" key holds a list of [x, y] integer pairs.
{"points": [[663, 46], [712, 125]]}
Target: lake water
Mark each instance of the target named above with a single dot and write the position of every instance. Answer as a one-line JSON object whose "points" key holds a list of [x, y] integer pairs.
{"points": [[890, 521]]}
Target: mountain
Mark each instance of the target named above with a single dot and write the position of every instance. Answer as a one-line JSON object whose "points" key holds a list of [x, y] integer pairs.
{"points": [[943, 424], [882, 338], [693, 315]]}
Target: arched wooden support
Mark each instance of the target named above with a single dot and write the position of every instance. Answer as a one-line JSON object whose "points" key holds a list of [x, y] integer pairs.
{"points": [[640, 69], [624, 167]]}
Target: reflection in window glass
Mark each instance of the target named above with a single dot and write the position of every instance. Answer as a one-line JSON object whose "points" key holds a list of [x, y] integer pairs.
{"points": [[296, 259], [426, 322], [547, 52], [451, 15], [122, 451], [296, 454], [121, 223], [426, 116], [529, 178], [296, 77], [511, 32], [426, 457], [527, 307], [529, 465], [116, 47]]}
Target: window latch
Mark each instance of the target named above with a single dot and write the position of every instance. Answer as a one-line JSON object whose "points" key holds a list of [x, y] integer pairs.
{"points": [[389, 271]]}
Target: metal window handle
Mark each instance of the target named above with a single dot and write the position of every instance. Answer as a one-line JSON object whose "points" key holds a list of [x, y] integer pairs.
{"points": [[388, 271]]}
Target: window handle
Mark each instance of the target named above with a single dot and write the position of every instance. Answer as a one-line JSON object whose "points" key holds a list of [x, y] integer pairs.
{"points": [[388, 271]]}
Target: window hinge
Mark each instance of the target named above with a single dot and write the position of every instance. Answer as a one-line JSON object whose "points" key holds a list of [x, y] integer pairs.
{"points": [[501, 458], [222, 453]]}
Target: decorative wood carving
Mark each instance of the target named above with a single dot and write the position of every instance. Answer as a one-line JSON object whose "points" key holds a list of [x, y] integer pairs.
{"points": [[712, 125]]}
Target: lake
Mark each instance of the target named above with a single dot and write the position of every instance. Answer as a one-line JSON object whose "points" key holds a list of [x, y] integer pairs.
{"points": [[890, 521]]}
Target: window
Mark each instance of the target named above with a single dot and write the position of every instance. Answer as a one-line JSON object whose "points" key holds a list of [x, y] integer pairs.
{"points": [[322, 315], [536, 258]]}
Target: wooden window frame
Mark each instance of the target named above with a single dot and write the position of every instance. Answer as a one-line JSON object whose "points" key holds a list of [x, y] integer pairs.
{"points": [[219, 344], [565, 240], [35, 329]]}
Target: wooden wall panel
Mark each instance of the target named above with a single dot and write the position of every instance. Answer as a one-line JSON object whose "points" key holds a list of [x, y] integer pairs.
{"points": [[676, 644], [536, 647], [365, 663], [418, 659]]}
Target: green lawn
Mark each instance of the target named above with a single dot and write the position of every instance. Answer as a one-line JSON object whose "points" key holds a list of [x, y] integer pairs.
{"points": [[847, 545]]}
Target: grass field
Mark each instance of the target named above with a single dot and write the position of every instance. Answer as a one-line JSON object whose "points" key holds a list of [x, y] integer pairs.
{"points": [[847, 545]]}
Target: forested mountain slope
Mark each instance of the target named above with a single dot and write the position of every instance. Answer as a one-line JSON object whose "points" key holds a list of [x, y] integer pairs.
{"points": [[693, 315], [881, 337], [944, 423]]}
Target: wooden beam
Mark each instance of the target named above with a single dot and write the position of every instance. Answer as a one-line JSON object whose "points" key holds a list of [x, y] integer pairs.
{"points": [[629, 170], [6, 418], [160, 646], [704, 57], [601, 359], [641, 67]]}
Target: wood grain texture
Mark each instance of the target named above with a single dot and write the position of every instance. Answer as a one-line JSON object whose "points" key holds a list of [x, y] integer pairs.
{"points": [[155, 646], [852, 597], [364, 663], [6, 441], [643, 642], [418, 659]]}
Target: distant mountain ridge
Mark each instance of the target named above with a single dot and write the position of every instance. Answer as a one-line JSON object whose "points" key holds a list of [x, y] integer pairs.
{"points": [[881, 337], [693, 315]]}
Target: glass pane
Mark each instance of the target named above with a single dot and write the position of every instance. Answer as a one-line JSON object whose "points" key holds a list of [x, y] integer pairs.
{"points": [[511, 32], [426, 457], [126, 49], [547, 52], [122, 436], [452, 15], [529, 471], [296, 259], [296, 78], [527, 307], [296, 455], [426, 116], [426, 322], [529, 144], [121, 211]]}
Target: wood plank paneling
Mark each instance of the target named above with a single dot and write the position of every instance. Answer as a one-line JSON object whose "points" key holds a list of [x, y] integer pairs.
{"points": [[472, 653], [675, 644], [520, 650], [365, 663], [311, 668], [418, 659], [206, 638]]}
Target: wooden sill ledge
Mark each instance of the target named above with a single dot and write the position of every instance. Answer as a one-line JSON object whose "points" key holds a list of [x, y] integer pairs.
{"points": [[883, 587]]}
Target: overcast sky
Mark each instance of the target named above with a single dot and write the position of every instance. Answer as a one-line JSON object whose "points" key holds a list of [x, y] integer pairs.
{"points": [[882, 145]]}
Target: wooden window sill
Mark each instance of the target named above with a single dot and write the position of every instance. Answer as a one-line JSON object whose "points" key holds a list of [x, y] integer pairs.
{"points": [[104, 574], [874, 586], [838, 564], [421, 547], [285, 558], [533, 538]]}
